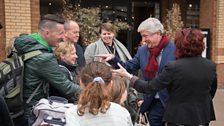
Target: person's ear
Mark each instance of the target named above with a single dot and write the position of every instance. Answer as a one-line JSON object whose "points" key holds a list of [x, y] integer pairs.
{"points": [[80, 81], [47, 32], [66, 34], [82, 86], [110, 85], [62, 57]]}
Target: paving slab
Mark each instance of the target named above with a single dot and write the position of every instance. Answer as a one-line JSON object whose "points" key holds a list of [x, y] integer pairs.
{"points": [[218, 102]]}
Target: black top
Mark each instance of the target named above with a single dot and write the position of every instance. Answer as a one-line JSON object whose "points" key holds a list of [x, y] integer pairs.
{"points": [[70, 72], [80, 53], [112, 50]]}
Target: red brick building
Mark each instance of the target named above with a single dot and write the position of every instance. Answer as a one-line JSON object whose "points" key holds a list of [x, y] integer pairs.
{"points": [[22, 16]]}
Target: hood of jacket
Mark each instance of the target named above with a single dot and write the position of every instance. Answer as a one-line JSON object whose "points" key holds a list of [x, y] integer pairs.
{"points": [[25, 43]]}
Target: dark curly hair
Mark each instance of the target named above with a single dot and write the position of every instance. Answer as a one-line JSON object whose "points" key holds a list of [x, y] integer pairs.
{"points": [[189, 43]]}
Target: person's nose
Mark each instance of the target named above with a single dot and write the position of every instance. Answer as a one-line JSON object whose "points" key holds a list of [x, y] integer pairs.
{"points": [[76, 56]]}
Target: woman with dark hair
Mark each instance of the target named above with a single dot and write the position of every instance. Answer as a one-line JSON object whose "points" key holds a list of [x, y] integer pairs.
{"points": [[107, 44], [191, 81], [94, 107]]}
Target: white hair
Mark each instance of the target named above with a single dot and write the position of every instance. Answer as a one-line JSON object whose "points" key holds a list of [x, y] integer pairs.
{"points": [[152, 25]]}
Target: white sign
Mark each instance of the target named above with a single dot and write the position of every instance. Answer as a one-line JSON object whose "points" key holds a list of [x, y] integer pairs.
{"points": [[205, 33]]}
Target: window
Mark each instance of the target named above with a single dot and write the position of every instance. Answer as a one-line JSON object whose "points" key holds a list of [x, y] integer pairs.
{"points": [[192, 14], [112, 13]]}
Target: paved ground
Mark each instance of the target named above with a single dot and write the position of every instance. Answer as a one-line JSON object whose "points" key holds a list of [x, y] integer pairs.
{"points": [[219, 108]]}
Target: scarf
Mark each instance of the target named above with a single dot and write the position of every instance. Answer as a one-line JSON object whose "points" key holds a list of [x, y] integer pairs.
{"points": [[152, 65]]}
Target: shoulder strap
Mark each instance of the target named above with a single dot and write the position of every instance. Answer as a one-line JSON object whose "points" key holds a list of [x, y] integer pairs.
{"points": [[32, 95], [31, 54], [25, 57]]}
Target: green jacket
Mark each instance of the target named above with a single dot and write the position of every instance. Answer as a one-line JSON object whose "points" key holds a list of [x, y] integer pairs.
{"points": [[42, 69]]}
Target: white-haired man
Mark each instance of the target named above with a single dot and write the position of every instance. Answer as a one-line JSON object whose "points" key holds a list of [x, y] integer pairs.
{"points": [[150, 58]]}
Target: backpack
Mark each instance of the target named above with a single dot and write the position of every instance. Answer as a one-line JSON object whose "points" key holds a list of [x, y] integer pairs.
{"points": [[11, 81], [51, 111]]}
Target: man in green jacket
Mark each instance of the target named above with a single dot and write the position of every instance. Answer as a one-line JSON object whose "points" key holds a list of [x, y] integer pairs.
{"points": [[43, 69]]}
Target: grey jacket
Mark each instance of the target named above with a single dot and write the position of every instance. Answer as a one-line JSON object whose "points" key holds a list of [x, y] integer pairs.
{"points": [[98, 47]]}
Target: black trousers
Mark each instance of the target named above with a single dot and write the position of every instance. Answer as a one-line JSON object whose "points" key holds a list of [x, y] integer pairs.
{"points": [[173, 124], [20, 121]]}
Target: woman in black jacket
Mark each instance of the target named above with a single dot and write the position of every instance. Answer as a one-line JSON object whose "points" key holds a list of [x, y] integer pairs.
{"points": [[66, 57], [191, 81]]}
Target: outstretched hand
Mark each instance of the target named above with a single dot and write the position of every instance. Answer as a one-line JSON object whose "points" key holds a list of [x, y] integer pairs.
{"points": [[105, 57], [121, 72]]}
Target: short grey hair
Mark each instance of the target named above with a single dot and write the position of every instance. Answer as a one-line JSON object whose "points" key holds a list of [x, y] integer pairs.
{"points": [[50, 21], [68, 23], [152, 25]]}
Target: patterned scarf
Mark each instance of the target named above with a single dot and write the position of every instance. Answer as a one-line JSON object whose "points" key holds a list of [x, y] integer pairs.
{"points": [[152, 65]]}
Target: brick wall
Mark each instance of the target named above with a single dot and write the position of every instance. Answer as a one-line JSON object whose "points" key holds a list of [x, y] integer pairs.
{"points": [[35, 15], [220, 33], [17, 16], [2, 31], [208, 10], [220, 72], [219, 42]]}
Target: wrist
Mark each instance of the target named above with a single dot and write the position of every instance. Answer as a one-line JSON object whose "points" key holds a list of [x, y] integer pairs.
{"points": [[130, 76]]}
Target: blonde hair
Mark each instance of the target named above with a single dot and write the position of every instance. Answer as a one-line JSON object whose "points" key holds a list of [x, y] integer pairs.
{"points": [[63, 49]]}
